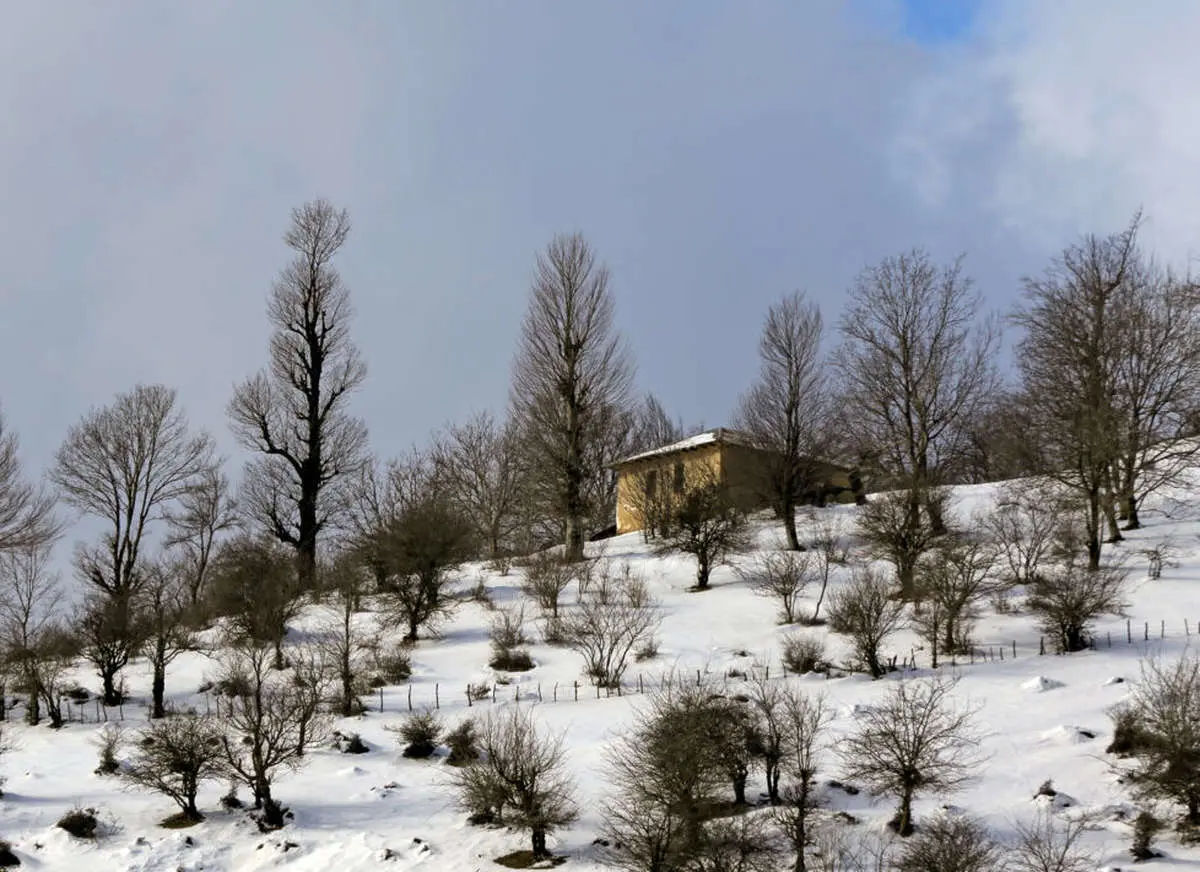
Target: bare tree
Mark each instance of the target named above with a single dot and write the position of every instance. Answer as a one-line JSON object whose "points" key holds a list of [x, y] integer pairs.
{"points": [[917, 740], [1023, 528], [1157, 381], [804, 719], [571, 372], [653, 427], [268, 725], [294, 413], [705, 523], [30, 597], [1068, 361], [175, 757], [955, 577], [865, 610], [782, 576], [343, 640], [126, 464], [829, 548], [427, 540], [547, 575], [1166, 714], [892, 532], [164, 603], [1069, 597], [478, 462], [254, 585], [786, 409], [916, 364], [27, 517], [196, 524], [951, 843], [606, 629], [666, 778], [522, 775], [1047, 844]]}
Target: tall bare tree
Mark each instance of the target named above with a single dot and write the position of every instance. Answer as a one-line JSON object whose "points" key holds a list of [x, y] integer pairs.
{"points": [[195, 527], [30, 597], [26, 511], [1157, 386], [479, 465], [163, 604], [916, 364], [127, 464], [294, 413], [572, 370], [1068, 360], [786, 410]]}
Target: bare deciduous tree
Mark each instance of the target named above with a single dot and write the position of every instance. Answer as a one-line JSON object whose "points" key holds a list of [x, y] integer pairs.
{"points": [[953, 579], [30, 597], [782, 576], [917, 740], [951, 843], [1023, 527], [893, 532], [175, 757], [1070, 596], [126, 464], [916, 364], [785, 412], [343, 640], [1068, 362], [478, 462], [522, 776], [653, 427], [294, 413], [804, 719], [268, 723], [1048, 844], [164, 603], [572, 371], [547, 575], [865, 610], [605, 629], [255, 586], [27, 517], [195, 526], [830, 549], [704, 523], [1166, 712]]}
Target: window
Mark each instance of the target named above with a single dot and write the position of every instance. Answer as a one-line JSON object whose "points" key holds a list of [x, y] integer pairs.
{"points": [[652, 483], [679, 477]]}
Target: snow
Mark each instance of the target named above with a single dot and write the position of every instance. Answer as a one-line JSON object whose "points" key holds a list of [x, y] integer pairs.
{"points": [[379, 810], [721, 434]]}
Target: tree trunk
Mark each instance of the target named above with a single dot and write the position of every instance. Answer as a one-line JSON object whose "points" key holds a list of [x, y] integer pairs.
{"points": [[1093, 529], [702, 573], [158, 688], [279, 663], [903, 822], [788, 505], [33, 708], [772, 774], [539, 842], [906, 572], [1132, 520], [739, 788], [108, 679]]}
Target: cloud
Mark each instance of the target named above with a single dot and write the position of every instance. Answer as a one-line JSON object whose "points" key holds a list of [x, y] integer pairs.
{"points": [[1064, 118]]}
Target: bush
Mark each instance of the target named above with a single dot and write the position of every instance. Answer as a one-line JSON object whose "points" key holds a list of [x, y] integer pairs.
{"points": [[803, 653], [511, 660], [463, 743], [1145, 827], [394, 665], [353, 744], [7, 858], [80, 823], [479, 691], [1128, 737], [421, 731], [647, 651], [109, 741]]}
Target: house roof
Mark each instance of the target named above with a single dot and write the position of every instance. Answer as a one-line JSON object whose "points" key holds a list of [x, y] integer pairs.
{"points": [[708, 437]]}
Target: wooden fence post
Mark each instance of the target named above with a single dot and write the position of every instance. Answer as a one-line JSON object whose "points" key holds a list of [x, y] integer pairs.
{"points": [[410, 696], [437, 700]]}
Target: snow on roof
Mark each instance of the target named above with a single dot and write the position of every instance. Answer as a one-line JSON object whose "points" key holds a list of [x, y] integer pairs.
{"points": [[708, 437]]}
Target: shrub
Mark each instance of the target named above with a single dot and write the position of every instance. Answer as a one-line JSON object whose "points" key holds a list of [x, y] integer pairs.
{"points": [[804, 653], [109, 741], [1145, 827], [7, 858], [463, 742], [394, 665], [511, 660], [1128, 737], [353, 744], [80, 823], [508, 628], [479, 691], [546, 577], [420, 731], [177, 755], [865, 611], [648, 650]]}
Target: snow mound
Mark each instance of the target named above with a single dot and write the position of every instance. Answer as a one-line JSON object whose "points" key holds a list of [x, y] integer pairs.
{"points": [[1069, 734], [1058, 802], [1116, 679], [352, 772], [1040, 684]]}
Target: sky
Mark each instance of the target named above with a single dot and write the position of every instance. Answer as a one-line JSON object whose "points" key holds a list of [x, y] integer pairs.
{"points": [[717, 156]]}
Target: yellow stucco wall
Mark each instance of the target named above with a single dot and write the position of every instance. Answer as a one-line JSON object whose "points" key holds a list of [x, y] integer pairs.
{"points": [[698, 464]]}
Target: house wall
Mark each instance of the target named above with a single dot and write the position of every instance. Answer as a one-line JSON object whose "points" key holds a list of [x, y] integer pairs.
{"points": [[698, 464]]}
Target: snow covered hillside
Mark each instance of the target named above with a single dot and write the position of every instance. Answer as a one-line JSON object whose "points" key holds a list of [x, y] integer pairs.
{"points": [[1044, 717]]}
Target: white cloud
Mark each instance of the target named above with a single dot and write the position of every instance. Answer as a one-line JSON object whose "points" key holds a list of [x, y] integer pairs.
{"points": [[1064, 117]]}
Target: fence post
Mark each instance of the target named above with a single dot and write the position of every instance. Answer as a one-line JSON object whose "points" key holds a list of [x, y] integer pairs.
{"points": [[1041, 645], [469, 703], [516, 693], [640, 690], [539, 691], [555, 692], [576, 683], [1109, 638], [1162, 630], [1186, 631], [1146, 632], [493, 691], [768, 676], [1128, 632], [381, 700], [437, 700], [410, 696], [1014, 649], [697, 678], [1001, 653]]}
